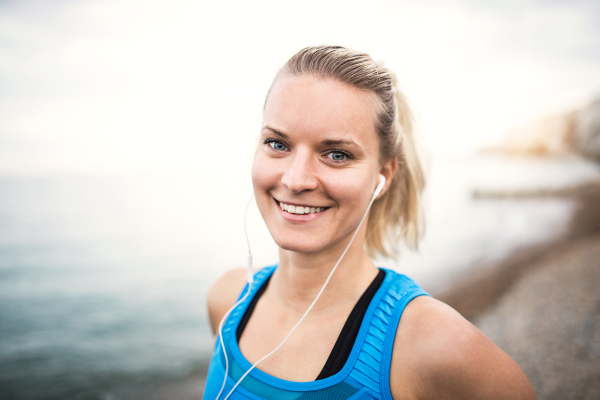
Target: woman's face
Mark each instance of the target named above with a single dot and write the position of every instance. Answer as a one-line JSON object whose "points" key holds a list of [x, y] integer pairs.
{"points": [[318, 156]]}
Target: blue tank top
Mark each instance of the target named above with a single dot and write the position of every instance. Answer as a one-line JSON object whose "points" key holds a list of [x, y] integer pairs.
{"points": [[364, 376]]}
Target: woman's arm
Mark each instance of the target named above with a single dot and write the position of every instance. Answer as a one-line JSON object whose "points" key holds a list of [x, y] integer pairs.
{"points": [[223, 294], [439, 354]]}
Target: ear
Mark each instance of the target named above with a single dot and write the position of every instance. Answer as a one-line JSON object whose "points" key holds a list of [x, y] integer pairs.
{"points": [[388, 170]]}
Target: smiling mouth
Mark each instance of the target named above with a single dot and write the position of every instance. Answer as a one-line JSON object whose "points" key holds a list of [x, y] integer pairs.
{"points": [[300, 210]]}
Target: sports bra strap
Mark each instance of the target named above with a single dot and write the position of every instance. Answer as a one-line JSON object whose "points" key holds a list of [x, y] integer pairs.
{"points": [[372, 368]]}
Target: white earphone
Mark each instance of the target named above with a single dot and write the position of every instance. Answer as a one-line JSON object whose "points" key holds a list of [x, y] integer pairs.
{"points": [[251, 280], [379, 186]]}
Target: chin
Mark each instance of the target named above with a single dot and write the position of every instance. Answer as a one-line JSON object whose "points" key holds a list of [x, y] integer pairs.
{"points": [[291, 243]]}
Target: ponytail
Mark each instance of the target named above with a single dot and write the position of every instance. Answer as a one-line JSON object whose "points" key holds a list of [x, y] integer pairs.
{"points": [[398, 214]]}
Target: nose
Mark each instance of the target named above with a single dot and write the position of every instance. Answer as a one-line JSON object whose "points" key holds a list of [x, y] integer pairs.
{"points": [[300, 175]]}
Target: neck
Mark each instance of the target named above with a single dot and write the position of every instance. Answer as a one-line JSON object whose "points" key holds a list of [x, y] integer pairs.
{"points": [[300, 277]]}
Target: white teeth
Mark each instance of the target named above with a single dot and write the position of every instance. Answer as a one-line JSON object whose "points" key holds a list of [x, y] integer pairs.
{"points": [[300, 210]]}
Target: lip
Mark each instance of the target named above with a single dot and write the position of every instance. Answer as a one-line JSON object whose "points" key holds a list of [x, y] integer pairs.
{"points": [[298, 217]]}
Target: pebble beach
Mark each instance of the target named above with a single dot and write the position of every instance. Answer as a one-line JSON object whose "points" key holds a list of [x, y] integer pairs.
{"points": [[542, 306]]}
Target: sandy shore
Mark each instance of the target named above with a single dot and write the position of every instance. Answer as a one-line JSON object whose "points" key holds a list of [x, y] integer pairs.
{"points": [[541, 305]]}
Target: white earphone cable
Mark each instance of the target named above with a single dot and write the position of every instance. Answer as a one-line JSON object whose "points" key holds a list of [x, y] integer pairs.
{"points": [[250, 281], [305, 314]]}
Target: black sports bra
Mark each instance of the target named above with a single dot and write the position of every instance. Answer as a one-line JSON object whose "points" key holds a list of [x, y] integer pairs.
{"points": [[343, 345]]}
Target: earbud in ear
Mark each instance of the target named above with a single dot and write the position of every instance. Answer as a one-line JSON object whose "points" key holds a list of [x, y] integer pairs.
{"points": [[379, 186]]}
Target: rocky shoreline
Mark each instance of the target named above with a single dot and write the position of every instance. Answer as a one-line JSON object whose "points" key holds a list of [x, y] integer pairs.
{"points": [[549, 322], [542, 306]]}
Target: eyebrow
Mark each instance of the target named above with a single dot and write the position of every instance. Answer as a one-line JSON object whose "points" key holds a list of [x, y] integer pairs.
{"points": [[325, 142], [277, 132], [331, 142]]}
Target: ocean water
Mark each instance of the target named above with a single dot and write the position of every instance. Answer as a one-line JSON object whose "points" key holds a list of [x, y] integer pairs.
{"points": [[103, 279]]}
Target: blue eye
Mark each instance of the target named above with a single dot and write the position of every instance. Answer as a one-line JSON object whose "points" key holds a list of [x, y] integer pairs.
{"points": [[277, 145], [337, 156]]}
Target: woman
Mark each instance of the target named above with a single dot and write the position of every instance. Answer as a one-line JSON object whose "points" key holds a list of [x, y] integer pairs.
{"points": [[333, 122]]}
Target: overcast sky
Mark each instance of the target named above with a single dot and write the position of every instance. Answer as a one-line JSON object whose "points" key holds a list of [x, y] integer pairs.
{"points": [[110, 86]]}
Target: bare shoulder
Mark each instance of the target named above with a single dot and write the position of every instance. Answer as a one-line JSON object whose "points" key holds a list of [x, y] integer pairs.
{"points": [[223, 294], [439, 354]]}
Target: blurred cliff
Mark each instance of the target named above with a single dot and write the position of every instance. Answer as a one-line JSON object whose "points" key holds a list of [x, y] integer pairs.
{"points": [[573, 132]]}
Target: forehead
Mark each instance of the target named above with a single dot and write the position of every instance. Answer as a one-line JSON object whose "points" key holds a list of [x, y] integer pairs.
{"points": [[321, 107]]}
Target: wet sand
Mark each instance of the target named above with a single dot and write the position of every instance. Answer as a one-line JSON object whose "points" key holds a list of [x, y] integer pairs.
{"points": [[541, 305]]}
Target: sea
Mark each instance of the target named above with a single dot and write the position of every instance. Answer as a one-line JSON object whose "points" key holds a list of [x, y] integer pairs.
{"points": [[103, 279]]}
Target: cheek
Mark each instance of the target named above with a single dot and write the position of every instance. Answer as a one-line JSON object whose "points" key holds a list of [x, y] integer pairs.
{"points": [[353, 193], [264, 175]]}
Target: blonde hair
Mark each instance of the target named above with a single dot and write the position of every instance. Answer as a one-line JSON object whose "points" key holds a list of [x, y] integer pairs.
{"points": [[398, 213]]}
